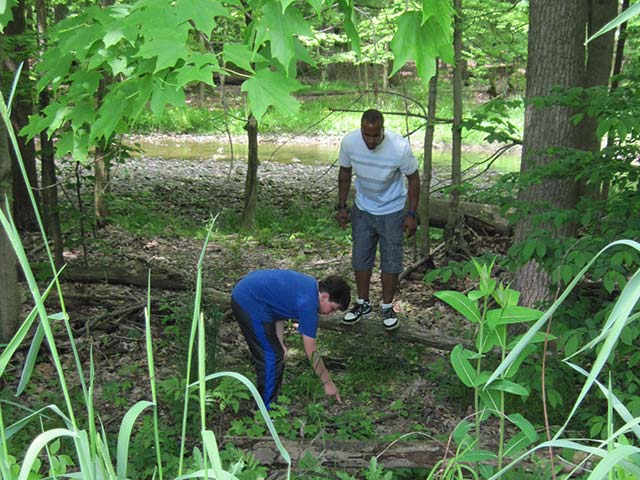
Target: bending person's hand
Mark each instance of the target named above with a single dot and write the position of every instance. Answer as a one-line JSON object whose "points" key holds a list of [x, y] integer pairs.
{"points": [[331, 390]]}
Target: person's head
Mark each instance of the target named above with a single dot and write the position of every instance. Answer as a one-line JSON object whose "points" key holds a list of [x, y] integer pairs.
{"points": [[372, 128], [336, 292]]}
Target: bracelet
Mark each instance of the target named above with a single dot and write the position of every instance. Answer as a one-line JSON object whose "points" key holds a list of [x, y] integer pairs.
{"points": [[411, 213], [341, 206]]}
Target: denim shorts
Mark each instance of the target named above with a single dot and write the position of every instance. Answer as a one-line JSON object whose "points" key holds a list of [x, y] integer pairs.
{"points": [[367, 231]]}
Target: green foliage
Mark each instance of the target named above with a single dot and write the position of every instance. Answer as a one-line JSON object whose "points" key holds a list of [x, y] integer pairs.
{"points": [[492, 327], [617, 456]]}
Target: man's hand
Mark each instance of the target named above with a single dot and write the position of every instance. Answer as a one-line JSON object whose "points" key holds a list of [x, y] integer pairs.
{"points": [[410, 225], [331, 390], [342, 217]]}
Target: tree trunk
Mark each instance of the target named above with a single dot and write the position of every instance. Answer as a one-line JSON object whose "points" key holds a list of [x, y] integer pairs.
{"points": [[22, 107], [453, 233], [49, 178], [101, 187], [427, 167], [9, 302], [617, 69], [599, 61], [555, 58], [251, 182]]}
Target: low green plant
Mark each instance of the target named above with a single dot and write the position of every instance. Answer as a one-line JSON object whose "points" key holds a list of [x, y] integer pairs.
{"points": [[492, 332]]}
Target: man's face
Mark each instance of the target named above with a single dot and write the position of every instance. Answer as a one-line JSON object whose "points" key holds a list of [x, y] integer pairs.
{"points": [[372, 134]]}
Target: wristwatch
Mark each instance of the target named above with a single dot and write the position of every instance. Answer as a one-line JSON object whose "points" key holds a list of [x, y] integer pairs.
{"points": [[411, 213], [341, 206]]}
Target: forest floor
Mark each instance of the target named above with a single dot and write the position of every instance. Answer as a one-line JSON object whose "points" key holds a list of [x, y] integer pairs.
{"points": [[404, 388]]}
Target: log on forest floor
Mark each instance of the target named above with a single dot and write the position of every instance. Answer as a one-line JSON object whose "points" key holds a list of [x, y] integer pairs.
{"points": [[345, 454], [477, 215], [408, 332]]}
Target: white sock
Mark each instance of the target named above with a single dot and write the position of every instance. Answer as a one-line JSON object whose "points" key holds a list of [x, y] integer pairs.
{"points": [[386, 306], [362, 301]]}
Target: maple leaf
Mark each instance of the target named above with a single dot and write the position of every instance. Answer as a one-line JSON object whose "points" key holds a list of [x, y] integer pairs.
{"points": [[271, 89], [280, 29]]}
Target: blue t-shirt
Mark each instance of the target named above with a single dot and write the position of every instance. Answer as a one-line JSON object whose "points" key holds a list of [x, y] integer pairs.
{"points": [[270, 295]]}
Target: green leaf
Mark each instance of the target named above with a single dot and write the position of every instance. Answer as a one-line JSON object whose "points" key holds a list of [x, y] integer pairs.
{"points": [[463, 368], [513, 368], [441, 10], [240, 55], [473, 456], [111, 37], [166, 51], [489, 340], [267, 88], [461, 303], [109, 116], [508, 386], [202, 13], [422, 42], [349, 24], [512, 314], [516, 444], [280, 29], [191, 73], [525, 426], [164, 94]]}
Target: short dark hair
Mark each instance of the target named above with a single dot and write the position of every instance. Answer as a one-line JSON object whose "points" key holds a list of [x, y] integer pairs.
{"points": [[372, 116], [338, 289]]}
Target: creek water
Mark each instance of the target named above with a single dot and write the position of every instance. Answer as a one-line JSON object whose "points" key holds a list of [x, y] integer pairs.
{"points": [[196, 148]]}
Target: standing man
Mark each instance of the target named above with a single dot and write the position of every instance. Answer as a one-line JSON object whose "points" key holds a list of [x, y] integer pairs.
{"points": [[263, 300], [380, 161]]}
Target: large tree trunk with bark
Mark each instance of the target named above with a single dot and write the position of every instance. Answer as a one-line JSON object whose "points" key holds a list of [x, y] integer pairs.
{"points": [[251, 182], [9, 301], [555, 58], [22, 107]]}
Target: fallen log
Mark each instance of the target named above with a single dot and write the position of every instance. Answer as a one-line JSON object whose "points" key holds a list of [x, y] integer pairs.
{"points": [[345, 454], [408, 332], [477, 215]]}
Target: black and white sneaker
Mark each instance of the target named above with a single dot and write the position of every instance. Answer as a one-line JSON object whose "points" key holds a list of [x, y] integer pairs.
{"points": [[358, 311], [390, 319]]}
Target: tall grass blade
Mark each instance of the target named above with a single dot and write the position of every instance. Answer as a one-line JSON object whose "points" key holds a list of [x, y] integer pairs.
{"points": [[152, 376], [617, 405], [192, 339], [11, 430], [615, 458], [261, 407], [124, 437], [202, 391], [625, 16], [628, 298], [14, 86], [38, 444], [4, 453]]}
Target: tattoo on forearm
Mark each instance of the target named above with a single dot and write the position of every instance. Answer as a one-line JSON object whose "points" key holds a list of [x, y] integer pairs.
{"points": [[316, 363]]}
